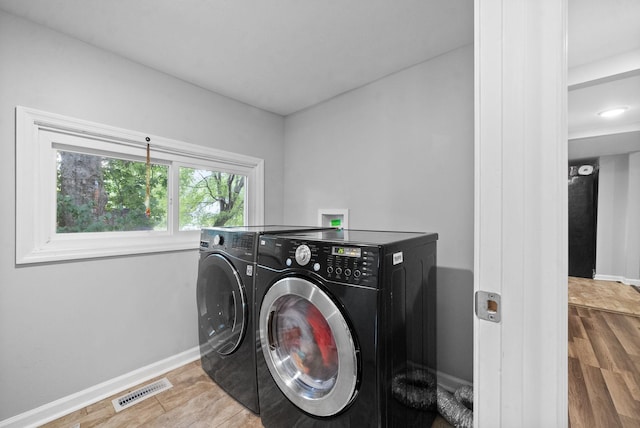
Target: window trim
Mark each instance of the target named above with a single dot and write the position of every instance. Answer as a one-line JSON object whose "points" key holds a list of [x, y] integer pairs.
{"points": [[36, 237]]}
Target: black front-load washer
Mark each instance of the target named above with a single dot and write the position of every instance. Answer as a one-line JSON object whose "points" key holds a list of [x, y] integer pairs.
{"points": [[346, 319], [225, 307]]}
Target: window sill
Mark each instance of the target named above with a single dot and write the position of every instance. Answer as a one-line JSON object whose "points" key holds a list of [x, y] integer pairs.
{"points": [[70, 248]]}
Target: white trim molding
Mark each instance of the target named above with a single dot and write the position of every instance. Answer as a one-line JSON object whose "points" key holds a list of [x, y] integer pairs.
{"points": [[39, 133], [69, 404], [451, 383], [615, 66], [520, 363], [617, 278]]}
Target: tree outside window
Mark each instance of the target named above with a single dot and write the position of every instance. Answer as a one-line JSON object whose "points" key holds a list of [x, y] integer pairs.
{"points": [[210, 198], [103, 194]]}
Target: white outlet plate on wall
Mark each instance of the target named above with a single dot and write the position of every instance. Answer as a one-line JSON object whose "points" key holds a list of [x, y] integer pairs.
{"points": [[333, 217]]}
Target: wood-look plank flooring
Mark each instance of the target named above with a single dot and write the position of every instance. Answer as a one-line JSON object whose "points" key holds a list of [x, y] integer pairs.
{"points": [[193, 401], [604, 366], [604, 295]]}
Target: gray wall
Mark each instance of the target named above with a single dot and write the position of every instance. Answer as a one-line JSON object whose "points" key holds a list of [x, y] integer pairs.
{"points": [[68, 326], [398, 153], [618, 230]]}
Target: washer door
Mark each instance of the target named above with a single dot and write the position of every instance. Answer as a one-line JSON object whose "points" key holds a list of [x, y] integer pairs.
{"points": [[308, 347], [222, 304]]}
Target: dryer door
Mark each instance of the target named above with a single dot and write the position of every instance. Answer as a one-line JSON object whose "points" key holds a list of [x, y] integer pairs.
{"points": [[308, 347], [222, 304]]}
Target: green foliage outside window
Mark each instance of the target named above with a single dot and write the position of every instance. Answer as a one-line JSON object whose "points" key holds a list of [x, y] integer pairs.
{"points": [[210, 198], [102, 194]]}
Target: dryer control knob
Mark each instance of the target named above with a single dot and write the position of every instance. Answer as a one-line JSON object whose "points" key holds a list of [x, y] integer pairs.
{"points": [[218, 240], [303, 255]]}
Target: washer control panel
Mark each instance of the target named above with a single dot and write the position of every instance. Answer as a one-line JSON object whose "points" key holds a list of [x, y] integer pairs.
{"points": [[350, 264], [303, 254], [239, 244]]}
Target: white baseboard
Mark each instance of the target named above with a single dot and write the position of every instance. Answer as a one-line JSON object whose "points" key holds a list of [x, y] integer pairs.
{"points": [[71, 403], [621, 279], [451, 383]]}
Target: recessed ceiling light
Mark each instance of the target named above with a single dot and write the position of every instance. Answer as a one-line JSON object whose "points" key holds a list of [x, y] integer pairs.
{"points": [[613, 112]]}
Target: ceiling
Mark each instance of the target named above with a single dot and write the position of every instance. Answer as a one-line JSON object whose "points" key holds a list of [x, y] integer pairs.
{"points": [[604, 72], [279, 55], [286, 55]]}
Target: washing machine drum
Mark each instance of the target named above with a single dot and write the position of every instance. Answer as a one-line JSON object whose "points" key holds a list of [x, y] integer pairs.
{"points": [[308, 347], [222, 304]]}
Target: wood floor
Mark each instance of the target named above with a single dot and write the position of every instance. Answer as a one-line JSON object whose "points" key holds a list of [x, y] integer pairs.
{"points": [[608, 296], [604, 367], [194, 401]]}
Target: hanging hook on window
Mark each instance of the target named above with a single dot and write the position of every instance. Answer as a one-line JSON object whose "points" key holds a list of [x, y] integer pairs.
{"points": [[147, 199]]}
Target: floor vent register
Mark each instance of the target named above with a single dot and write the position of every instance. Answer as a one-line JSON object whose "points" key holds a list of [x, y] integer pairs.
{"points": [[140, 394]]}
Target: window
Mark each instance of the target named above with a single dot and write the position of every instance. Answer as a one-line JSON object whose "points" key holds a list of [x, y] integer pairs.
{"points": [[210, 198], [105, 194], [87, 190]]}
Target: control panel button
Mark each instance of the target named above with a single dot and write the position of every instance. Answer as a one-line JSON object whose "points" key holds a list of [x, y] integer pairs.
{"points": [[288, 262], [303, 255], [338, 270], [356, 273], [347, 272], [316, 267], [329, 269]]}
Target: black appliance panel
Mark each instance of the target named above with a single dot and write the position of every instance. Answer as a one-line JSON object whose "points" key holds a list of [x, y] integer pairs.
{"points": [[278, 411], [223, 309], [391, 314], [241, 241], [225, 303], [346, 264], [361, 237], [226, 325]]}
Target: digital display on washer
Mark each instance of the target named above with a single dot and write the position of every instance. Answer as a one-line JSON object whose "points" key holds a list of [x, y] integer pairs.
{"points": [[346, 251]]}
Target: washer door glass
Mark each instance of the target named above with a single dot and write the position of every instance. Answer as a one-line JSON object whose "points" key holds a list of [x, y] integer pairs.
{"points": [[308, 347], [222, 304]]}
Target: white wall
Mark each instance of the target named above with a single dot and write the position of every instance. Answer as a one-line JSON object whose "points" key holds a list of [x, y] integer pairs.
{"points": [[618, 223], [612, 213], [632, 268], [65, 327], [604, 145], [398, 153]]}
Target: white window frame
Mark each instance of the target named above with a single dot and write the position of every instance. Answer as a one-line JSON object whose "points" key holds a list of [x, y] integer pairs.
{"points": [[36, 237]]}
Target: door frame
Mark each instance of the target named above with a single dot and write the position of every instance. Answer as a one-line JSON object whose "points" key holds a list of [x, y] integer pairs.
{"points": [[520, 247]]}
